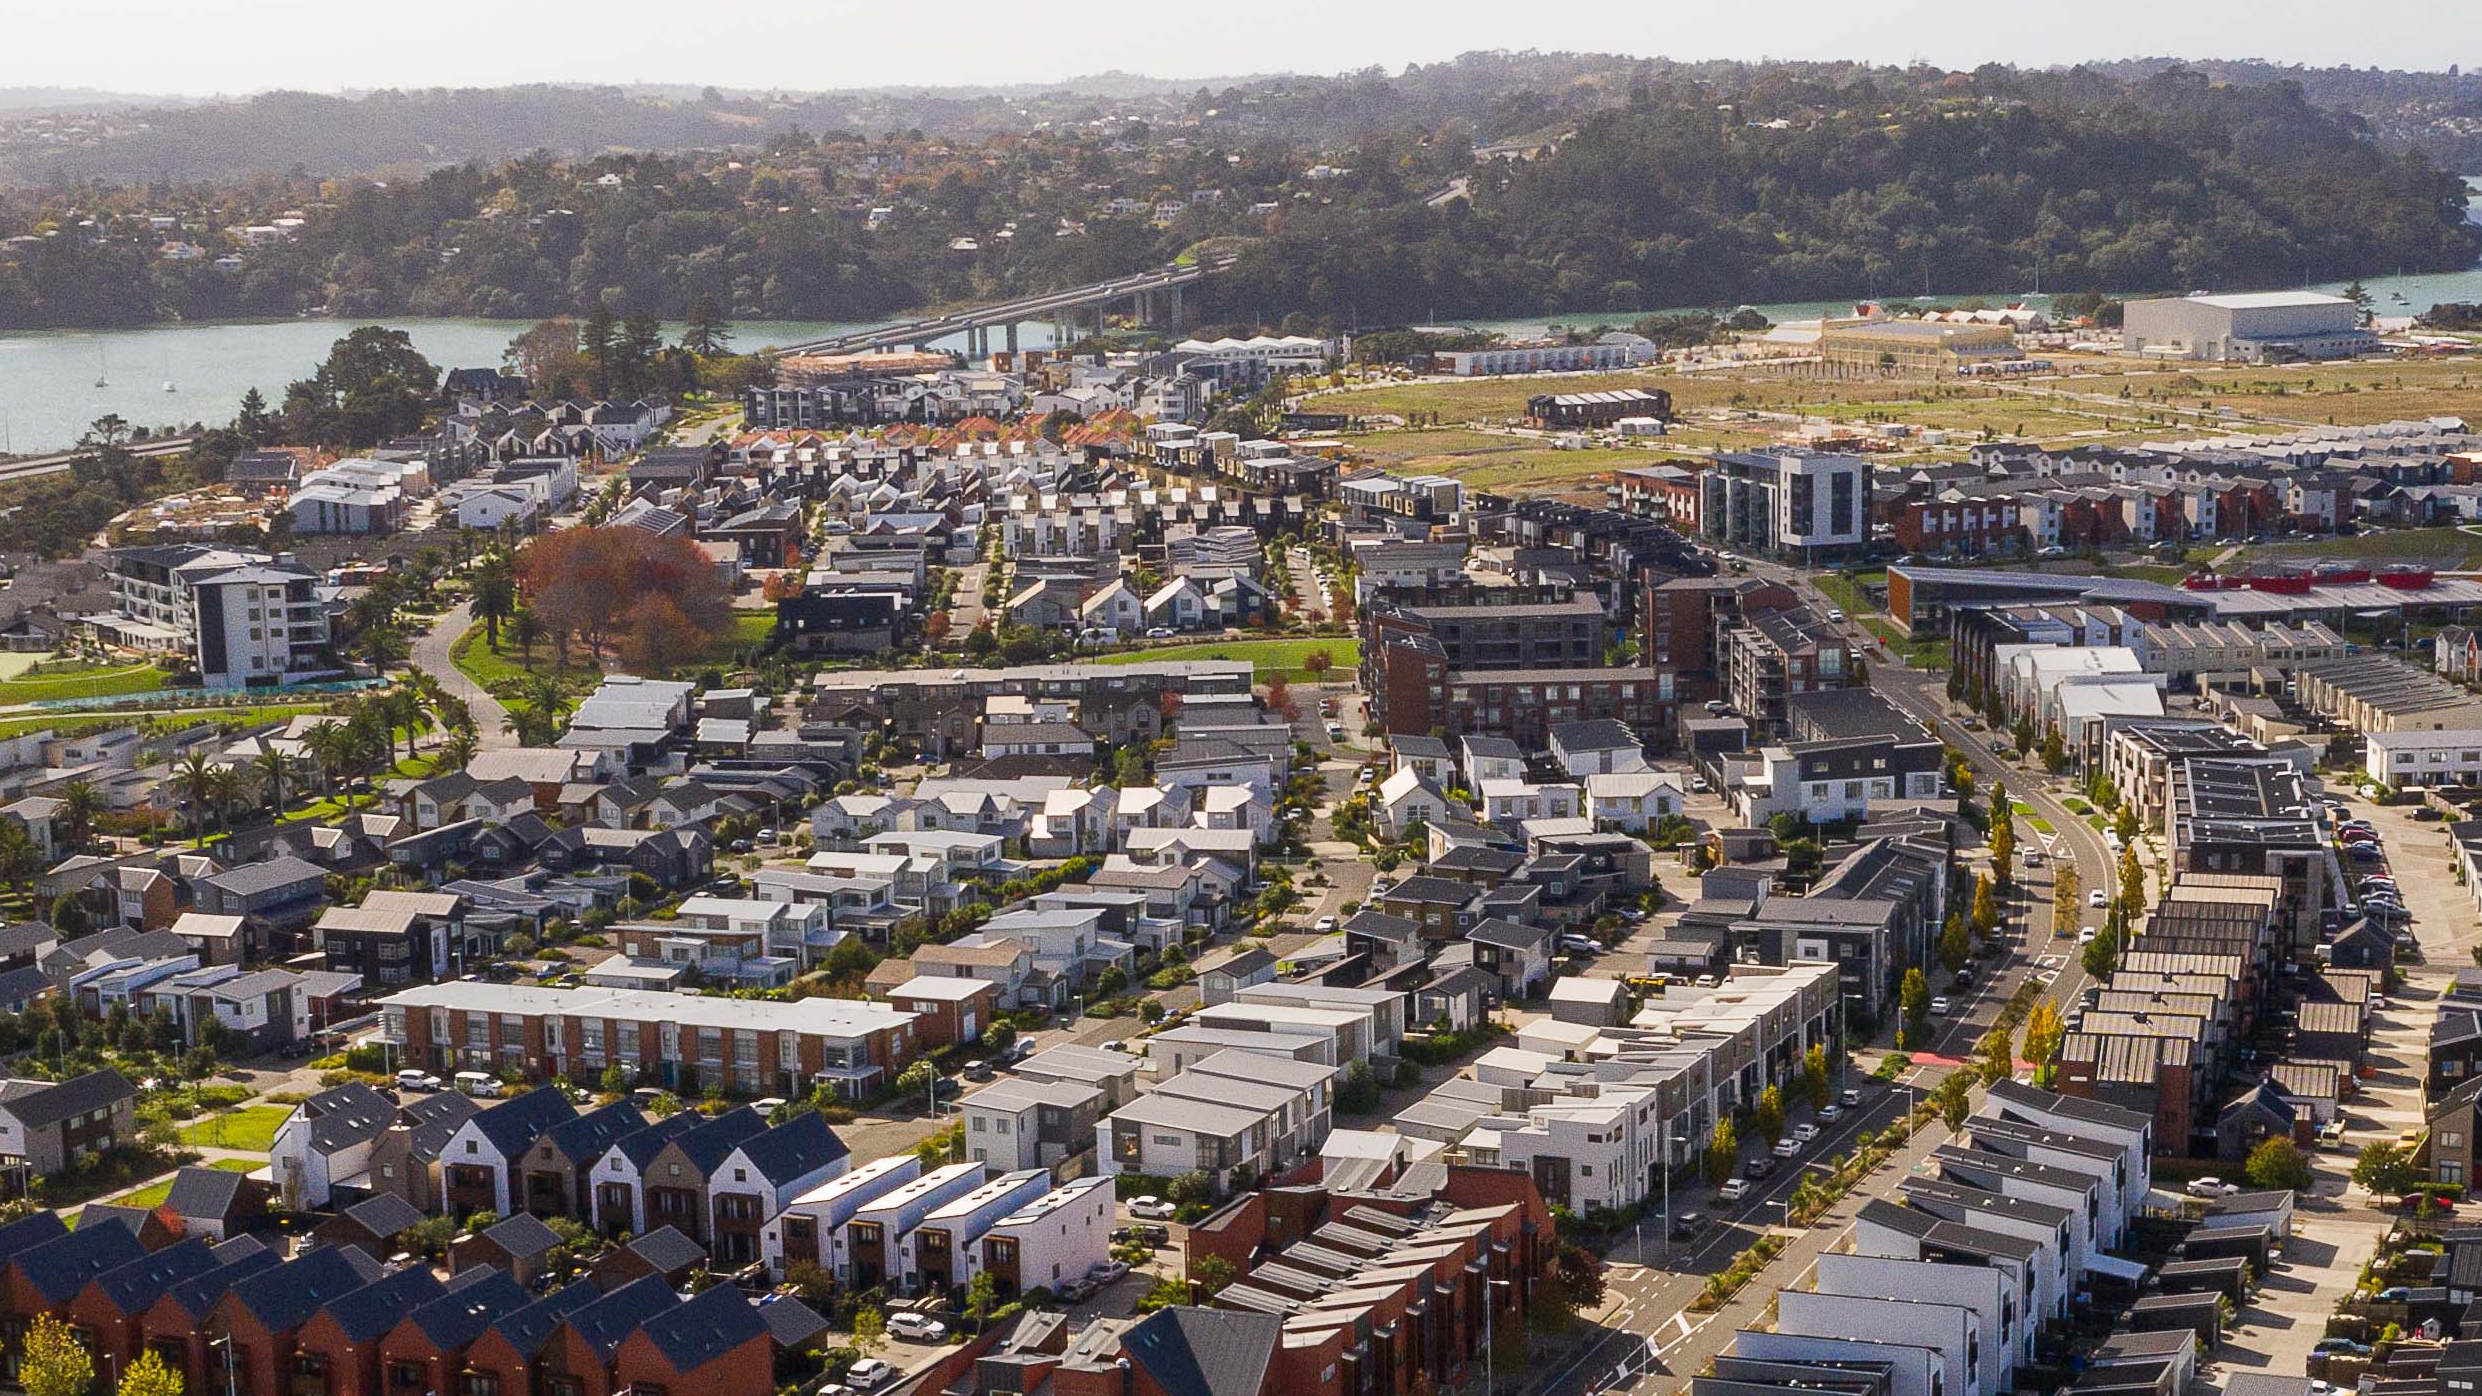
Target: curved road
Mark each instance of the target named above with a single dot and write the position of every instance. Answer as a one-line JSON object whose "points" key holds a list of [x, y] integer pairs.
{"points": [[431, 657]]}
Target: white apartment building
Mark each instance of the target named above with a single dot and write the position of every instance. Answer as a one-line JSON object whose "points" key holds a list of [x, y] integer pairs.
{"points": [[247, 619], [1050, 1242], [811, 1228]]}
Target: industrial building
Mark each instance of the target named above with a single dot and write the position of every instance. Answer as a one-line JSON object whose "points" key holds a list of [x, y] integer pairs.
{"points": [[2260, 327]]}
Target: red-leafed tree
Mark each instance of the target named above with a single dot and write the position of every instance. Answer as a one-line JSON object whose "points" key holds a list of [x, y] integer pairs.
{"points": [[596, 583]]}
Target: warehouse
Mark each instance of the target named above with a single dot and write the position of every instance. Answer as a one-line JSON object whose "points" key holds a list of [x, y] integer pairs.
{"points": [[1597, 409], [1913, 348], [2263, 327]]}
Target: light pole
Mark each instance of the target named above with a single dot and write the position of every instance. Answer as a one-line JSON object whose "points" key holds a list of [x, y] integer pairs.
{"points": [[1490, 1378]]}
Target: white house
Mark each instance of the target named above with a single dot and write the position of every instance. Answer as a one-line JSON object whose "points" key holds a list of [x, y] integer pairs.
{"points": [[1507, 803], [1406, 799], [811, 1227], [1180, 604], [1634, 801], [1117, 606], [1050, 1242]]}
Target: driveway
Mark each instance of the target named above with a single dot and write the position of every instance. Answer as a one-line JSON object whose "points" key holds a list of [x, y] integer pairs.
{"points": [[431, 657]]}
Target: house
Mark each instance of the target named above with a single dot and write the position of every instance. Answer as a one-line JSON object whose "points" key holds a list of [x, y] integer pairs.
{"points": [[522, 1246], [405, 1158], [1597, 746], [338, 1347], [46, 1126], [427, 1347], [262, 1316], [1049, 1242], [557, 1173], [1221, 982], [716, 1342], [676, 1181], [478, 1163], [375, 1224], [947, 1010], [762, 1176], [327, 1139], [1517, 955], [1408, 801], [1030, 1124], [810, 1229], [1634, 801]]}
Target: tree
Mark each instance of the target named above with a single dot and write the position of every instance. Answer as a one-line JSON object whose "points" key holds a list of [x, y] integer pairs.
{"points": [[2124, 823], [1999, 1055], [982, 1296], [1955, 1100], [2277, 1163], [373, 385], [80, 802], [1770, 1115], [1280, 699], [1723, 1154], [2054, 751], [195, 775], [1913, 998], [149, 1376], [2102, 953], [916, 1079], [870, 1329], [2004, 849], [2132, 886], [2043, 1031], [2386, 1168], [2064, 891], [1955, 947], [54, 1363], [591, 583], [1191, 1189], [69, 916], [495, 595], [1986, 906], [1317, 663], [615, 1080], [1815, 1085], [706, 332], [1212, 1274]]}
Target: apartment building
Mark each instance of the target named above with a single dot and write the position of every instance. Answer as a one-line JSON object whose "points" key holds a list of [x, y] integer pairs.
{"points": [[1811, 505], [246, 619]]}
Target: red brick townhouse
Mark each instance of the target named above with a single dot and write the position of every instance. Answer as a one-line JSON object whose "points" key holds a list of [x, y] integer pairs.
{"points": [[681, 1042]]}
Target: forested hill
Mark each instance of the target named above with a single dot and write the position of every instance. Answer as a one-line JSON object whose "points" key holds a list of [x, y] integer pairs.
{"points": [[2168, 184], [2437, 113], [1745, 184]]}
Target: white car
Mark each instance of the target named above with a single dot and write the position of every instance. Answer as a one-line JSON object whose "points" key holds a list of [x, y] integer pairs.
{"points": [[1325, 925], [1733, 1190], [917, 1328], [2085, 935], [868, 1373], [1803, 1134], [1151, 1208], [1786, 1148], [2095, 898], [1830, 1112], [1939, 1006], [2212, 1187]]}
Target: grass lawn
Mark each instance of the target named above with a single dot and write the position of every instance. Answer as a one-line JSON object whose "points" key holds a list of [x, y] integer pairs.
{"points": [[501, 671], [91, 681], [1271, 657], [71, 725], [252, 1127]]}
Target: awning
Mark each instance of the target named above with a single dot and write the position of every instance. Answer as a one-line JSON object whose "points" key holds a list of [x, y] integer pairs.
{"points": [[2125, 1270]]}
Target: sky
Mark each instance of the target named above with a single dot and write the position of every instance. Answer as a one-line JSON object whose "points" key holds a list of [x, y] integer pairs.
{"points": [[205, 47]]}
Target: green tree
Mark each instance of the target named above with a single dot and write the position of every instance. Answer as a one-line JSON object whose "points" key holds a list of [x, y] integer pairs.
{"points": [[870, 1330], [915, 1080], [981, 1297], [1816, 1086], [2386, 1168], [2004, 850], [1770, 1115], [2124, 823], [1999, 1055], [80, 803], [54, 1362], [2064, 892], [2102, 954], [1913, 999], [1723, 1154], [1985, 918], [1191, 1189], [1955, 1100], [495, 595], [2277, 1163], [69, 916], [2132, 886], [706, 332], [1212, 1273], [615, 1080], [373, 385], [1955, 946]]}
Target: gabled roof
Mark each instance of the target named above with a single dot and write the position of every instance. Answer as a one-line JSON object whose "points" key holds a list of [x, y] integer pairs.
{"points": [[383, 1214], [522, 1235], [133, 1288], [691, 1335], [1204, 1352], [513, 1125], [373, 1309], [800, 1145], [461, 1315], [286, 1296], [207, 1192], [200, 1293], [46, 1106], [710, 1141], [602, 1324], [584, 1138], [668, 1249], [528, 1328], [641, 1146], [345, 1115]]}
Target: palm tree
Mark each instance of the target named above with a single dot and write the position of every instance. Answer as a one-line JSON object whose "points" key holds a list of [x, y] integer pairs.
{"points": [[195, 774], [80, 802], [227, 788], [527, 632], [495, 595], [542, 693], [457, 750], [273, 769], [373, 747], [332, 747], [532, 726]]}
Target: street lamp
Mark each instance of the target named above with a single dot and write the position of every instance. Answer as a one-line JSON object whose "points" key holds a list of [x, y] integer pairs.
{"points": [[1490, 1378]]}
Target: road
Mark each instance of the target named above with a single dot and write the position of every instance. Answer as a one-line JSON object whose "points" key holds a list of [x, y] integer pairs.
{"points": [[431, 656], [1649, 1282]]}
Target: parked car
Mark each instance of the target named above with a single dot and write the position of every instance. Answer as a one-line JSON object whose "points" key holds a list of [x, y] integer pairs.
{"points": [[1803, 1134], [1580, 945], [2212, 1187], [1733, 1190], [1831, 1112], [1152, 1208], [1759, 1167], [411, 1079], [869, 1373], [977, 1070], [1143, 1233], [1785, 1148], [917, 1327], [1326, 925], [1687, 1225], [1852, 1099], [2095, 898], [1939, 1005], [1159, 632], [2341, 1347], [1108, 1272]]}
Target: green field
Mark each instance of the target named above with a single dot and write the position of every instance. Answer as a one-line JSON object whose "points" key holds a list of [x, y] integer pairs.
{"points": [[153, 1194], [1271, 657], [251, 1128], [93, 681], [68, 725], [501, 671]]}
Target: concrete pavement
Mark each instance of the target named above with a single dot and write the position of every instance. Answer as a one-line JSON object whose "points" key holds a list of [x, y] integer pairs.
{"points": [[430, 655]]}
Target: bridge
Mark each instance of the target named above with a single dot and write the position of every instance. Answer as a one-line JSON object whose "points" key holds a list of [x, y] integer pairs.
{"points": [[1156, 295], [26, 467]]}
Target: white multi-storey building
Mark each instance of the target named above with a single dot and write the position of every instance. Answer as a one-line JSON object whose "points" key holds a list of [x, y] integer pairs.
{"points": [[248, 619]]}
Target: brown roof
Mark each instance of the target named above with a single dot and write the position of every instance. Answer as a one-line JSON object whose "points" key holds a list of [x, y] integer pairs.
{"points": [[1003, 952]]}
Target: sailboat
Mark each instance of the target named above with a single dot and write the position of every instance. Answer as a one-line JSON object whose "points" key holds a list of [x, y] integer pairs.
{"points": [[168, 375], [102, 379]]}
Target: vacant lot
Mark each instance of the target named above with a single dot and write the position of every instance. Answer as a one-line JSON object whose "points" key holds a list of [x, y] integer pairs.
{"points": [[251, 1128], [2449, 549], [1270, 657]]}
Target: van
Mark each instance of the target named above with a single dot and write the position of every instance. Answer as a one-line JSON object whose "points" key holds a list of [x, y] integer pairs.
{"points": [[482, 1085]]}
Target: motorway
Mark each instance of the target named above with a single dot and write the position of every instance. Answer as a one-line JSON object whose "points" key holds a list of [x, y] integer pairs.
{"points": [[1643, 1339], [58, 461]]}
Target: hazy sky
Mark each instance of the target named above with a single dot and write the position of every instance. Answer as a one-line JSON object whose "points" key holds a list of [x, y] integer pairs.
{"points": [[234, 46]]}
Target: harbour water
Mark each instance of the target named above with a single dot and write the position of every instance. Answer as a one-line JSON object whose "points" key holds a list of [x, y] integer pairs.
{"points": [[49, 391]]}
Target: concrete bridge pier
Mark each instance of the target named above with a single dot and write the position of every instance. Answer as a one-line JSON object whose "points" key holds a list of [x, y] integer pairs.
{"points": [[1012, 338]]}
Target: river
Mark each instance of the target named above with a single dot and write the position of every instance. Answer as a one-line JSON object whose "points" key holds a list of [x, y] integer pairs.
{"points": [[49, 390]]}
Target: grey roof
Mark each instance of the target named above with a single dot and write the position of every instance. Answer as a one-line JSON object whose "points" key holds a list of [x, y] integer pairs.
{"points": [[466, 1311], [527, 1329], [254, 878], [1204, 1352], [668, 1250], [800, 1145], [49, 1105], [523, 1234], [691, 1335], [383, 1214], [513, 1125], [365, 1313], [346, 1115], [289, 1294], [134, 1288], [206, 1192], [790, 1323], [60, 1267], [604, 1323]]}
